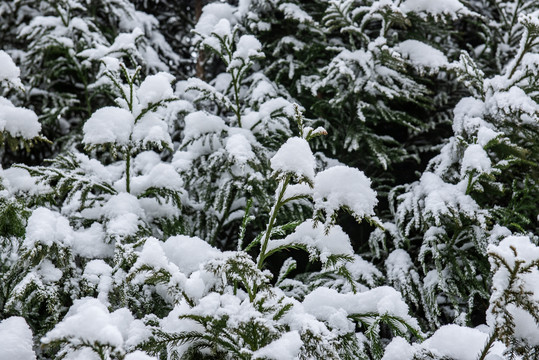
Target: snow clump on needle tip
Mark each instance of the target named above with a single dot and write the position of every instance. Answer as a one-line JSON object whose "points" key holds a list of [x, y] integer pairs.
{"points": [[343, 186], [155, 88], [8, 70], [108, 125], [295, 156]]}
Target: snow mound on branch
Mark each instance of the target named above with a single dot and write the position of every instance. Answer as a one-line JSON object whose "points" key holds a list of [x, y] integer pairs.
{"points": [[151, 129], [18, 180], [331, 306], [139, 355], [295, 156], [211, 15], [341, 186], [8, 70], [248, 46], [442, 344], [435, 7], [18, 121], [122, 204], [160, 176], [47, 228], [155, 88], [239, 148], [108, 125], [188, 253], [15, 339], [116, 329], [513, 250], [398, 349], [475, 159], [293, 11], [470, 343], [422, 55], [90, 243], [287, 347], [438, 199], [200, 122], [336, 241]]}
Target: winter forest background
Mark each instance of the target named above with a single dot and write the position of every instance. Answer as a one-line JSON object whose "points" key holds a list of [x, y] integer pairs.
{"points": [[269, 179]]}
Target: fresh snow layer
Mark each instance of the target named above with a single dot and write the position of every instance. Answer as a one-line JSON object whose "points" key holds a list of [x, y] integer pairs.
{"points": [[459, 342], [439, 199], [188, 253], [19, 180], [341, 186], [398, 349], [18, 121], [15, 339], [515, 249], [108, 125], [435, 7], [90, 243], [8, 70], [422, 55], [47, 228], [475, 159], [247, 46], [331, 306], [211, 15], [155, 88], [200, 122], [295, 157], [336, 241], [151, 129], [239, 148], [287, 347], [161, 175], [116, 329]]}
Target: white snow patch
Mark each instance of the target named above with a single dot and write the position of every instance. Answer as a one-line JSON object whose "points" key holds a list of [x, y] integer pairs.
{"points": [[100, 326], [155, 88], [470, 343], [47, 228], [211, 15], [188, 253], [422, 55], [398, 349], [240, 148], [341, 186], [16, 340], [199, 123], [287, 347], [8, 70], [108, 125], [295, 156], [336, 241], [437, 7], [475, 158], [331, 306], [18, 121]]}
